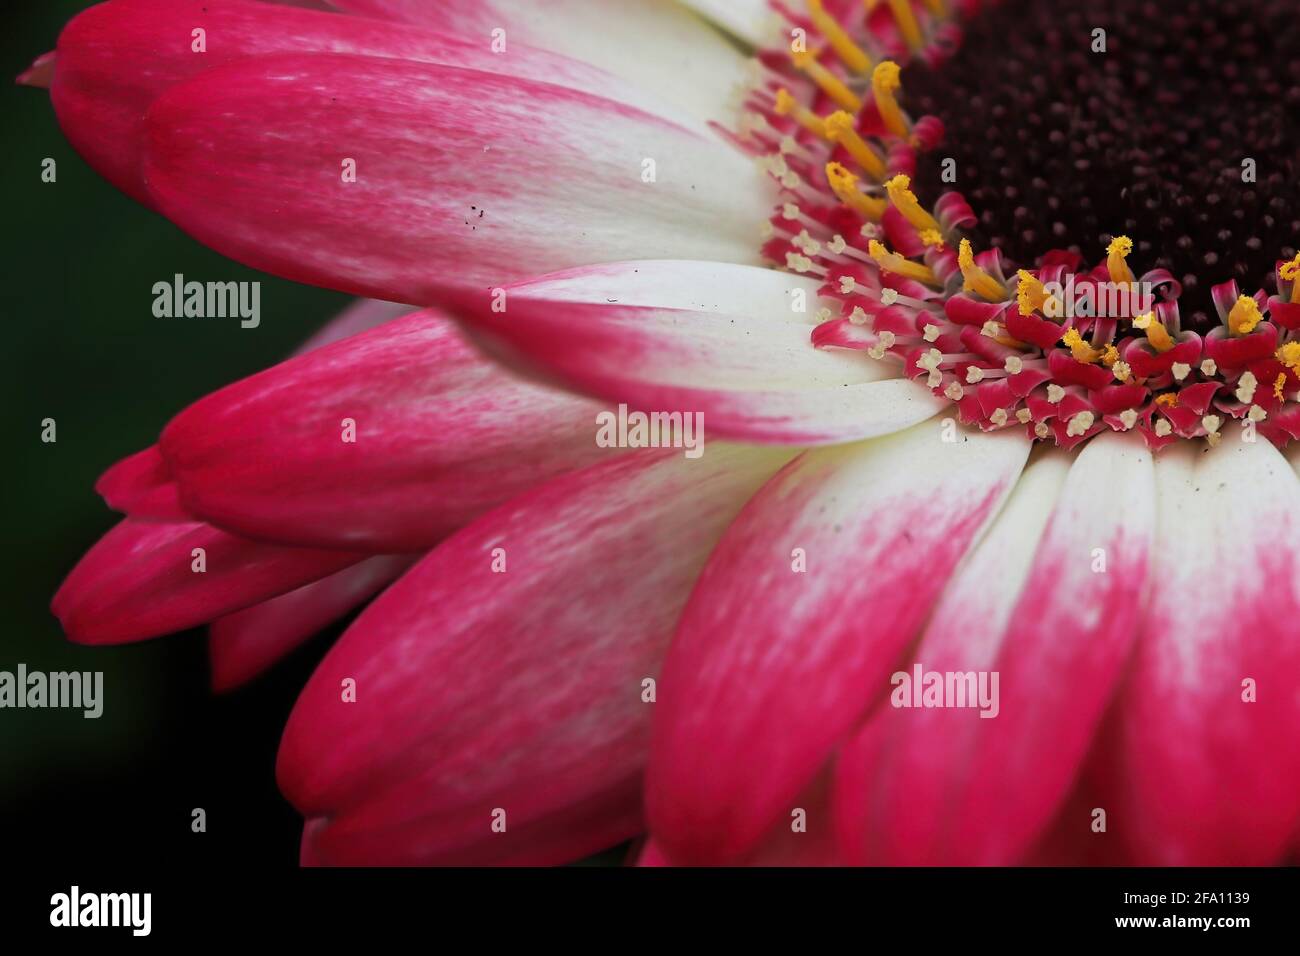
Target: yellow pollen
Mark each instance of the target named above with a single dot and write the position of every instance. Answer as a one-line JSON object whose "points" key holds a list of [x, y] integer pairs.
{"points": [[787, 105], [1156, 333], [977, 280], [1245, 315], [906, 20], [840, 129], [1289, 355], [893, 262], [850, 53], [845, 186], [830, 84], [1168, 399], [1030, 293], [884, 84], [1081, 350], [932, 238], [1116, 253], [1278, 387], [905, 201], [1290, 272], [1109, 356]]}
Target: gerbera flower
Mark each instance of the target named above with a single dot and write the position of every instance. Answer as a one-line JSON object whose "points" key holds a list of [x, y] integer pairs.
{"points": [[992, 312]]}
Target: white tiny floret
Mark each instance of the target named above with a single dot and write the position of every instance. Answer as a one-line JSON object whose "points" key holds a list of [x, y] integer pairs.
{"points": [[888, 296], [1181, 370], [1080, 424], [848, 285], [1163, 428], [955, 392], [1246, 386], [857, 316], [1023, 415], [931, 333], [837, 245], [1256, 414], [1055, 393], [1014, 365], [1128, 418], [797, 262], [974, 375], [1211, 423], [930, 360], [1209, 368], [999, 417]]}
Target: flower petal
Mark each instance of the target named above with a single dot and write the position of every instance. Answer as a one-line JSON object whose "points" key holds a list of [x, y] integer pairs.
{"points": [[651, 44], [362, 316], [142, 579], [772, 667], [753, 21], [944, 786], [141, 485], [1206, 768], [684, 336], [441, 436], [506, 670], [244, 644], [463, 178], [115, 59]]}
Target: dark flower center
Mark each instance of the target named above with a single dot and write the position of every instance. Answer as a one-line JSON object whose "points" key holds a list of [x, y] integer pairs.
{"points": [[1183, 134]]}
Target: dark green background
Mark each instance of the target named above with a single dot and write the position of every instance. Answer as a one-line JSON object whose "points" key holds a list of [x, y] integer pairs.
{"points": [[82, 346]]}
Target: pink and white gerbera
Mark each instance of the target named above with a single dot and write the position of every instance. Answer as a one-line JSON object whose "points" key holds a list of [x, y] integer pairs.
{"points": [[911, 463]]}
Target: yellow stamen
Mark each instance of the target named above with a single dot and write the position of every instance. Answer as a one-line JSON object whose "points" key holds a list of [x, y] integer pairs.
{"points": [[932, 238], [840, 129], [906, 20], [977, 280], [1278, 385], [905, 201], [1032, 295], [787, 105], [1245, 315], [850, 53], [1081, 350], [1156, 333], [845, 186], [893, 262], [1290, 272], [1116, 253], [1109, 356], [1289, 355], [830, 84], [884, 84], [1168, 399]]}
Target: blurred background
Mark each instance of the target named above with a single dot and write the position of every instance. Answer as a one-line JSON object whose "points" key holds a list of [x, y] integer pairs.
{"points": [[83, 347]]}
